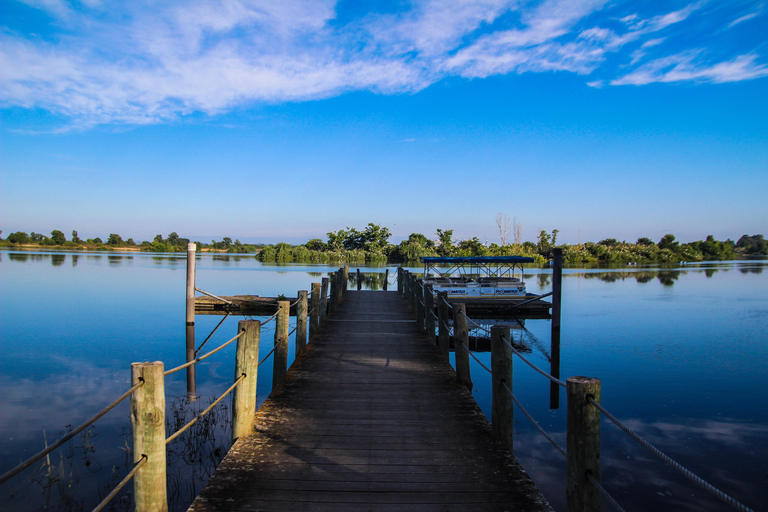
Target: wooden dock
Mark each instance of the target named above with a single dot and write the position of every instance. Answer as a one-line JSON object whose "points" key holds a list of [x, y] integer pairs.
{"points": [[371, 418]]}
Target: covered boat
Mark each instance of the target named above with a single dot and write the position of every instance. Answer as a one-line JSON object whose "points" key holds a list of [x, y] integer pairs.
{"points": [[476, 276]]}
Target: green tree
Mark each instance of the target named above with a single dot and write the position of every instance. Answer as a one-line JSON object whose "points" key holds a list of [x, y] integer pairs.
{"points": [[115, 239], [36, 237], [19, 237], [58, 237], [75, 238], [645, 242], [316, 244], [668, 242], [543, 243], [444, 242]]}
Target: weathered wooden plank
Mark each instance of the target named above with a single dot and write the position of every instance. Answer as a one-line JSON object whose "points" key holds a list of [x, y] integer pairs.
{"points": [[370, 418]]}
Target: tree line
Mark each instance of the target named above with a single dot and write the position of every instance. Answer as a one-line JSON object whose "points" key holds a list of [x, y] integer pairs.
{"points": [[172, 243], [371, 244]]}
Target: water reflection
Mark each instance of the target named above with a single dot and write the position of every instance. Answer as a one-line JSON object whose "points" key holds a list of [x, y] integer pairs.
{"points": [[370, 280]]}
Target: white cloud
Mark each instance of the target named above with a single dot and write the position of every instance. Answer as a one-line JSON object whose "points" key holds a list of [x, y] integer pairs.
{"points": [[144, 62], [745, 18], [684, 68]]}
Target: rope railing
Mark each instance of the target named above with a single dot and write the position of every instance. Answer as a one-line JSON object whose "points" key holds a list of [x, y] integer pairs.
{"points": [[24, 465], [606, 495], [550, 377], [272, 317], [476, 359], [589, 399], [206, 411], [671, 462], [266, 356], [123, 482], [212, 332], [533, 421], [212, 295], [198, 359]]}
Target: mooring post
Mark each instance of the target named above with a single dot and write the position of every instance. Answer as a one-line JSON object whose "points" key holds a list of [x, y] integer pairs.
{"points": [[557, 287], [583, 445], [191, 380], [554, 370], [148, 424], [406, 291], [444, 335], [502, 405], [345, 279], [400, 280], [324, 299], [314, 317], [191, 248], [246, 363], [421, 307], [280, 357], [412, 288], [461, 345], [301, 322], [386, 279], [429, 312], [333, 280], [359, 281]]}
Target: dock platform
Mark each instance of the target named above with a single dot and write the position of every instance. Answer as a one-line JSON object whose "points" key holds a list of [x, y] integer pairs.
{"points": [[370, 418]]}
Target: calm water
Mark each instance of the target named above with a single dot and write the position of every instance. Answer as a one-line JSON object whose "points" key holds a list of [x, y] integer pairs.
{"points": [[681, 353]]}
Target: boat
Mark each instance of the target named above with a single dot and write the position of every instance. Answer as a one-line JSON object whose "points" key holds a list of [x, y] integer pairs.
{"points": [[476, 276]]}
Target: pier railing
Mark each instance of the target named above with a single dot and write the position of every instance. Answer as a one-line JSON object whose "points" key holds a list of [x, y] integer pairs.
{"points": [[584, 490], [147, 391]]}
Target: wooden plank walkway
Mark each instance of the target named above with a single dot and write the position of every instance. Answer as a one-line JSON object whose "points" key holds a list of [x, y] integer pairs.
{"points": [[370, 419]]}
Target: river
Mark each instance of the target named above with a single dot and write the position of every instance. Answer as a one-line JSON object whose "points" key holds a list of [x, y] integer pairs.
{"points": [[681, 352]]}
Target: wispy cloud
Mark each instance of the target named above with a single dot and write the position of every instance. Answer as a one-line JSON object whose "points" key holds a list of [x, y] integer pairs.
{"points": [[144, 62], [684, 67]]}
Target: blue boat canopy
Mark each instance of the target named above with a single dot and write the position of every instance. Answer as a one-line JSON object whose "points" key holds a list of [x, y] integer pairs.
{"points": [[475, 259]]}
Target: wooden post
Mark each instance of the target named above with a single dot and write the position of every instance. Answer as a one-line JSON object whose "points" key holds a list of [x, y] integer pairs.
{"points": [[444, 335], [280, 357], [334, 283], [191, 248], [502, 405], [429, 313], [557, 287], [359, 281], [386, 279], [191, 382], [246, 363], [324, 299], [583, 445], [400, 280], [314, 318], [301, 322], [461, 337], [554, 370], [148, 422], [345, 279], [421, 305]]}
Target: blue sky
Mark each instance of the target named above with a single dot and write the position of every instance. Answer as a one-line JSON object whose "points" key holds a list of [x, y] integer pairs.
{"points": [[286, 119]]}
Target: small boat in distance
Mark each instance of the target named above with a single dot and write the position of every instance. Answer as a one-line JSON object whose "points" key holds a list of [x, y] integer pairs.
{"points": [[476, 276]]}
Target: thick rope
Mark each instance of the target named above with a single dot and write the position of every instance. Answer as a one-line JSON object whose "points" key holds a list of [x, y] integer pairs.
{"points": [[212, 295], [272, 317], [535, 424], [553, 379], [668, 460], [213, 331], [198, 359], [206, 411], [605, 494], [136, 467], [476, 359], [266, 356], [24, 465]]}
